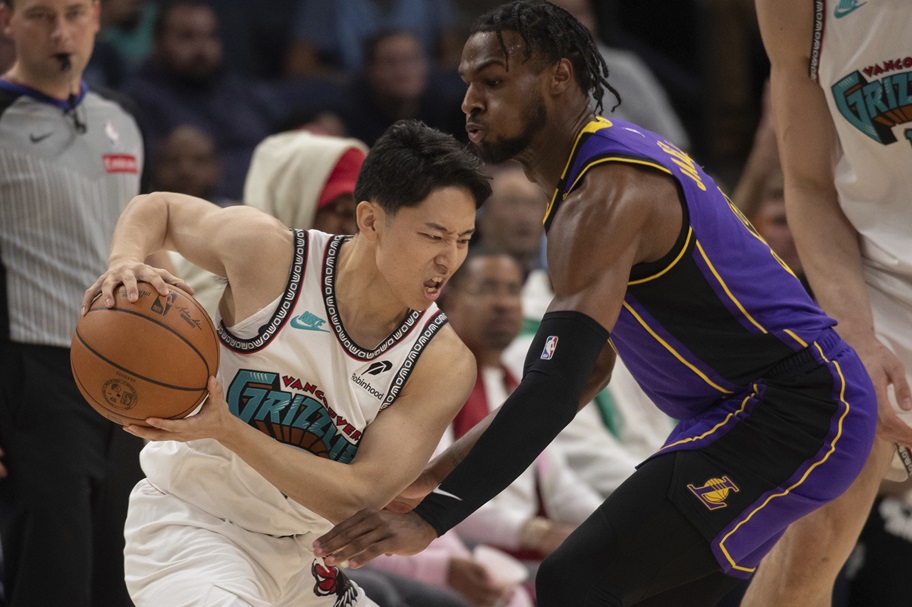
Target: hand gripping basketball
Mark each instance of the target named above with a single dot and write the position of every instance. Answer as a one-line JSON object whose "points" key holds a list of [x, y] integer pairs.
{"points": [[151, 357]]}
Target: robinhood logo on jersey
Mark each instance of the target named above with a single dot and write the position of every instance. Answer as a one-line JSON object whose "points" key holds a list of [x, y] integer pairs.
{"points": [[375, 368], [875, 106]]}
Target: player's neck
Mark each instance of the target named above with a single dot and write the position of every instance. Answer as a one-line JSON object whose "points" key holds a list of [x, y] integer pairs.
{"points": [[547, 156], [370, 311]]}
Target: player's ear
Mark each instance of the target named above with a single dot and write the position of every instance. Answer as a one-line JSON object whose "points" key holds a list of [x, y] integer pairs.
{"points": [[561, 76], [368, 216]]}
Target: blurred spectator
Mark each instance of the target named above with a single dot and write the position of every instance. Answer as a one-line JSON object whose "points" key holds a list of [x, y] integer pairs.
{"points": [[644, 100], [448, 563], [511, 220], [772, 224], [124, 40], [128, 26], [187, 161], [256, 36], [185, 83], [397, 83], [306, 180], [762, 164], [329, 37]]}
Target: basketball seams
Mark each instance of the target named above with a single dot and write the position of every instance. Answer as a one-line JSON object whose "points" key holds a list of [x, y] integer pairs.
{"points": [[86, 393], [131, 372], [163, 325]]}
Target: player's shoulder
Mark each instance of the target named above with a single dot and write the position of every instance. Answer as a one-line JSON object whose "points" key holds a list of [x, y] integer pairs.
{"points": [[610, 185], [251, 236], [447, 361], [443, 377]]}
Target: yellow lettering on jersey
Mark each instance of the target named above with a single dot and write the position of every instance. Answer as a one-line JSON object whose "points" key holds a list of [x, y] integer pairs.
{"points": [[684, 162]]}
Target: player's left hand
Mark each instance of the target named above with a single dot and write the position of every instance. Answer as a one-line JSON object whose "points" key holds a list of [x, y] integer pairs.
{"points": [[370, 533], [212, 421]]}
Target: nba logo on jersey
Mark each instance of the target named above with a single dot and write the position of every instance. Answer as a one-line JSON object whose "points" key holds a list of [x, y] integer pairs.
{"points": [[550, 347]]}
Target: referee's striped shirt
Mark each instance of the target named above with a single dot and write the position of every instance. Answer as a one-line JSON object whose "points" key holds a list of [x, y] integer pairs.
{"points": [[67, 170]]}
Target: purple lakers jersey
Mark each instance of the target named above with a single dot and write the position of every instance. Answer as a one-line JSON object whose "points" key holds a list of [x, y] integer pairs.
{"points": [[720, 309]]}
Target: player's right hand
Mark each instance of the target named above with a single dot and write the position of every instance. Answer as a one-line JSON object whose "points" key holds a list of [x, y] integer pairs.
{"points": [[370, 533], [887, 370]]}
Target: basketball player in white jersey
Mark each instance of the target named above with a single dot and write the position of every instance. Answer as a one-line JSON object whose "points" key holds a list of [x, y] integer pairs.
{"points": [[841, 81], [338, 376]]}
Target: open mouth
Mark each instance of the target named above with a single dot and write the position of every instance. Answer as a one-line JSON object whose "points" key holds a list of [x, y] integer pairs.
{"points": [[432, 286], [475, 132]]}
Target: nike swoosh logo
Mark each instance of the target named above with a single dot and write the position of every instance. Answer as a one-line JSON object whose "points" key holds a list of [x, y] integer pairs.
{"points": [[40, 138], [298, 324], [440, 491], [839, 13]]}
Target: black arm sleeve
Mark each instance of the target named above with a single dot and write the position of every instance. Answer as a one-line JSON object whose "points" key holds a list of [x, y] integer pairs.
{"points": [[558, 363]]}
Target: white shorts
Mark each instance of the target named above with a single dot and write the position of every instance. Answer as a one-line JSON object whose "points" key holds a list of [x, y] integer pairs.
{"points": [[178, 555], [891, 306]]}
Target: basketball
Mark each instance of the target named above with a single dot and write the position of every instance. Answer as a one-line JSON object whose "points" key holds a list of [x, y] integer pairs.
{"points": [[151, 358]]}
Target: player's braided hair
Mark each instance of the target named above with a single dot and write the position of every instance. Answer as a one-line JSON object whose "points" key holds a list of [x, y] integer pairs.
{"points": [[554, 33]]}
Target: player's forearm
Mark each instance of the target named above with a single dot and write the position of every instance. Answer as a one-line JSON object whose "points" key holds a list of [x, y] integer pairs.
{"points": [[331, 489], [543, 404], [141, 228], [444, 463], [830, 254], [441, 466]]}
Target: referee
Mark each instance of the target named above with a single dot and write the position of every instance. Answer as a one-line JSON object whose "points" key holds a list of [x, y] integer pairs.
{"points": [[69, 161]]}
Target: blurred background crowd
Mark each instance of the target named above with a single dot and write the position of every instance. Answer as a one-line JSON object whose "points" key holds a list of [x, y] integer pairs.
{"points": [[275, 103], [691, 70]]}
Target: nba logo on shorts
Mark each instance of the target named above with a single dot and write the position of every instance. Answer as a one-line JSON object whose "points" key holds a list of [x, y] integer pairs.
{"points": [[550, 347]]}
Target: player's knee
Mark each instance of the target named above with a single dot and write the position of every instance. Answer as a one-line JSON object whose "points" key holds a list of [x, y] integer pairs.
{"points": [[563, 580]]}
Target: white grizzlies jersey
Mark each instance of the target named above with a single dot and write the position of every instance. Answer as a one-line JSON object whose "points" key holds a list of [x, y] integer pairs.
{"points": [[862, 58], [292, 372]]}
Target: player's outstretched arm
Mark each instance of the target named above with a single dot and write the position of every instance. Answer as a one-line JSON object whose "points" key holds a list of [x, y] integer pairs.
{"points": [[372, 532], [826, 240], [639, 219]]}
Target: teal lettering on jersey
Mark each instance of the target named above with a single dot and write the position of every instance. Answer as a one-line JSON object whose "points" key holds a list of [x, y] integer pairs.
{"points": [[256, 398], [874, 108]]}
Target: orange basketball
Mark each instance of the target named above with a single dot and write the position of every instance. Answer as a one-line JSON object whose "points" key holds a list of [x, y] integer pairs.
{"points": [[151, 358]]}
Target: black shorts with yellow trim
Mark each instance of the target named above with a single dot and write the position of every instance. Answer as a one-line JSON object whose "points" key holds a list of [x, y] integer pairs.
{"points": [[794, 443]]}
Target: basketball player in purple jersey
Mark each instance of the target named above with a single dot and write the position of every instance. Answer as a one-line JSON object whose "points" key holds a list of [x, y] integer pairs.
{"points": [[647, 254]]}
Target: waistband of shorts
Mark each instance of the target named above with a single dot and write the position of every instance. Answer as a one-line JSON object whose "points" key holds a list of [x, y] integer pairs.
{"points": [[828, 341]]}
